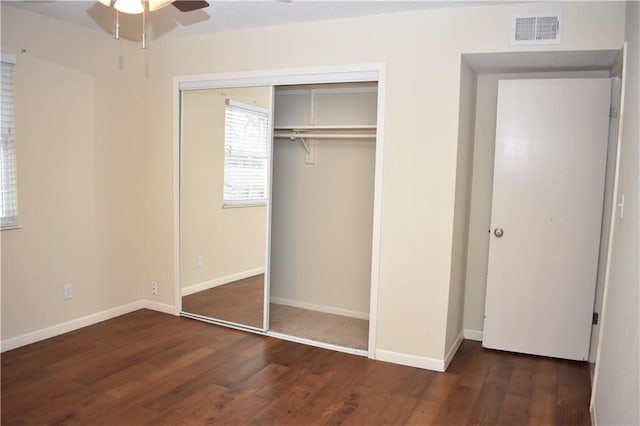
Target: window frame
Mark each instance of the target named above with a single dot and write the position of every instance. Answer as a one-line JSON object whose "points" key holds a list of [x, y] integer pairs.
{"points": [[8, 145]]}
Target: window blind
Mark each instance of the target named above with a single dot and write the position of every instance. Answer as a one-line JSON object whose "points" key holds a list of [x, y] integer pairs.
{"points": [[8, 184], [245, 160]]}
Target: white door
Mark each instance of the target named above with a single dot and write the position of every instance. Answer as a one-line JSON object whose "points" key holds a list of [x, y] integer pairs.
{"points": [[551, 142]]}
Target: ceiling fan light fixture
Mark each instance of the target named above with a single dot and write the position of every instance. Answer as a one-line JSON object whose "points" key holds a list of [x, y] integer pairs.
{"points": [[158, 4], [136, 7], [132, 7]]}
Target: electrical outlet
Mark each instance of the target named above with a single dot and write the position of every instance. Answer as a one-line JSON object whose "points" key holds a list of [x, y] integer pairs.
{"points": [[199, 262], [154, 288], [67, 291]]}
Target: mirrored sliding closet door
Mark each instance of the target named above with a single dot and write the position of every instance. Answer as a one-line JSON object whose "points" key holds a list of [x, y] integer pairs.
{"points": [[224, 169]]}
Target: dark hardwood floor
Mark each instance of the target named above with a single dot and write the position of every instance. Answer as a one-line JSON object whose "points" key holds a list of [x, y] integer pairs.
{"points": [[152, 368], [240, 301]]}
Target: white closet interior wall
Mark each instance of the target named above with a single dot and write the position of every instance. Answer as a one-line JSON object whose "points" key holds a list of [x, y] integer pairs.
{"points": [[322, 213]]}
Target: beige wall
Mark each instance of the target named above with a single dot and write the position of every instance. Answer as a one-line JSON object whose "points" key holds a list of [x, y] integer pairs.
{"points": [[482, 188], [322, 214], [617, 379], [230, 240], [464, 168], [80, 156], [422, 55]]}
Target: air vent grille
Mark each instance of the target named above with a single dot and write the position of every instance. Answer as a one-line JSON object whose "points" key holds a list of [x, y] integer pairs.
{"points": [[536, 29]]}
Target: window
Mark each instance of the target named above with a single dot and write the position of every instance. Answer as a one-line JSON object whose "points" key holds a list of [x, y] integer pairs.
{"points": [[8, 183], [245, 154]]}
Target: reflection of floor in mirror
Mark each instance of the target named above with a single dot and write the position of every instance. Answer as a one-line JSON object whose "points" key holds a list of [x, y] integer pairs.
{"points": [[240, 302], [319, 326]]}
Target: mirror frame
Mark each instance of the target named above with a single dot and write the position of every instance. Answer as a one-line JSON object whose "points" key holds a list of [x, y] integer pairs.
{"points": [[283, 77]]}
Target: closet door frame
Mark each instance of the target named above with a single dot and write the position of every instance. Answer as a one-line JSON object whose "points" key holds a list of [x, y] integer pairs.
{"points": [[283, 77]]}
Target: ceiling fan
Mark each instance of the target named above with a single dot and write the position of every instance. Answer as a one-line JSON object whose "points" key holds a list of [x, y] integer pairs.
{"points": [[138, 6], [134, 7]]}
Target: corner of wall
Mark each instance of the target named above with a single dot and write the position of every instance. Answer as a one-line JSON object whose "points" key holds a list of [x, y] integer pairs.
{"points": [[464, 170]]}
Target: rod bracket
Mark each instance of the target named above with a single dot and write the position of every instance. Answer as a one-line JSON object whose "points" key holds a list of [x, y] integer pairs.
{"points": [[309, 149]]}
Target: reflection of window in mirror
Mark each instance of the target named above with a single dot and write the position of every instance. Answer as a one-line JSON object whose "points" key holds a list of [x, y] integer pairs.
{"points": [[8, 181], [245, 155]]}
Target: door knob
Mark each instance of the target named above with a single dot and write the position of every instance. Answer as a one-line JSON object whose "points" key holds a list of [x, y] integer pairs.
{"points": [[498, 232]]}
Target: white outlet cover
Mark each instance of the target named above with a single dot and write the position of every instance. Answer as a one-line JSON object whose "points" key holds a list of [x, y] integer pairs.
{"points": [[67, 291]]}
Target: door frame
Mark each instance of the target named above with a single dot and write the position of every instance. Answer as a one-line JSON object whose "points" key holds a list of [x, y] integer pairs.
{"points": [[530, 63], [614, 213], [283, 77]]}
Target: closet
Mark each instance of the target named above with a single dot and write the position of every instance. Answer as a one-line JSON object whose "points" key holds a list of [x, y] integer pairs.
{"points": [[323, 170], [276, 206]]}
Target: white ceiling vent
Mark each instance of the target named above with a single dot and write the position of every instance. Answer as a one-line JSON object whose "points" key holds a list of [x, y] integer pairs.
{"points": [[538, 28]]}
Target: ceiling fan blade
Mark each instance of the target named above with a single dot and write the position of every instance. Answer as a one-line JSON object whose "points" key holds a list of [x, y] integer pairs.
{"points": [[189, 5]]}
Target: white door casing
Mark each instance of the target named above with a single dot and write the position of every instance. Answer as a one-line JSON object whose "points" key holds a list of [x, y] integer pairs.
{"points": [[551, 142]]}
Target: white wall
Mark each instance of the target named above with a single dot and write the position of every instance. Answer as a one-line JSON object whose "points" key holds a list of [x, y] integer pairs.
{"points": [[230, 240], [322, 214], [464, 169], [422, 53], [80, 158], [617, 378], [482, 189]]}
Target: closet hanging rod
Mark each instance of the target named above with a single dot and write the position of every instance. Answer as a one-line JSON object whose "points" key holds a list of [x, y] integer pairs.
{"points": [[294, 136], [313, 127]]}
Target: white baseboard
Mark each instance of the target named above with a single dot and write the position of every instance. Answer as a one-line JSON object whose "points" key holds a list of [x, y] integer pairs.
{"points": [[160, 307], [453, 350], [65, 327], [423, 362], [473, 334], [320, 308], [206, 285]]}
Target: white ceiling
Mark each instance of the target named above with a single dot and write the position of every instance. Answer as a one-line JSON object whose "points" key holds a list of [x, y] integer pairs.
{"points": [[222, 15]]}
